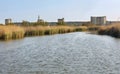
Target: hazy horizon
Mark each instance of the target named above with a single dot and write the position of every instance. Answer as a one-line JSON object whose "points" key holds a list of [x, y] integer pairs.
{"points": [[51, 10]]}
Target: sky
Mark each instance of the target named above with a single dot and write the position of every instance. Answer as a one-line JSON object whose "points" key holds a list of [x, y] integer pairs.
{"points": [[51, 10]]}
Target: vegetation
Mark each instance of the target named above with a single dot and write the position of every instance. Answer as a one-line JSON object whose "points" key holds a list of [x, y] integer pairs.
{"points": [[11, 32], [112, 30], [42, 23], [61, 23], [50, 30], [93, 28], [25, 23], [16, 32]]}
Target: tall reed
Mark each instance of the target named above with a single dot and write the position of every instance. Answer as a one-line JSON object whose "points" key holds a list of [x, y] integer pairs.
{"points": [[112, 30], [11, 32], [15, 32], [47, 30]]}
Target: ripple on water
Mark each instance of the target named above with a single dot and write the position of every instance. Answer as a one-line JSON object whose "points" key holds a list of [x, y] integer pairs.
{"points": [[73, 53]]}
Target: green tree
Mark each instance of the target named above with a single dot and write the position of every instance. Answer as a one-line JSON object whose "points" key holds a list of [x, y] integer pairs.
{"points": [[61, 23]]}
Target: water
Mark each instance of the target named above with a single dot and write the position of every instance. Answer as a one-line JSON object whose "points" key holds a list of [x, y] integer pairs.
{"points": [[73, 53]]}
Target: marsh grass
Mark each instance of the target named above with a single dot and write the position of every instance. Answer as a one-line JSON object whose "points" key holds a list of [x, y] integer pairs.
{"points": [[93, 28], [16, 32], [11, 32], [112, 30], [47, 30]]}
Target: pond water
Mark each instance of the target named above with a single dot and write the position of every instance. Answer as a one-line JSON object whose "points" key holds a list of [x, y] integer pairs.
{"points": [[72, 53]]}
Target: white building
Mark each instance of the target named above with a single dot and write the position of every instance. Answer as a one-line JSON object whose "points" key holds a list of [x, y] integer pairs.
{"points": [[99, 20]]}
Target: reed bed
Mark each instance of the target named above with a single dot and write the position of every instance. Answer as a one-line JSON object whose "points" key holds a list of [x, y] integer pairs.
{"points": [[112, 30], [16, 32], [80, 28], [11, 32], [94, 28], [50, 30]]}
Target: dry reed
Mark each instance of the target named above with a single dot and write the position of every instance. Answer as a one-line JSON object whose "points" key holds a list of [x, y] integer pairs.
{"points": [[15, 32], [11, 32], [112, 30]]}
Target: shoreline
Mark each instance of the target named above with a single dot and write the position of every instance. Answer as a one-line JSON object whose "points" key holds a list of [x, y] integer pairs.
{"points": [[19, 32]]}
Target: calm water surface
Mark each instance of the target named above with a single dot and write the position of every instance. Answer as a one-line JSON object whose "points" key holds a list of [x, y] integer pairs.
{"points": [[73, 53]]}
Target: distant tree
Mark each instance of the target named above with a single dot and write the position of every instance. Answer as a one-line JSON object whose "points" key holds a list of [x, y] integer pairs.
{"points": [[42, 23], [25, 23], [61, 23], [88, 24]]}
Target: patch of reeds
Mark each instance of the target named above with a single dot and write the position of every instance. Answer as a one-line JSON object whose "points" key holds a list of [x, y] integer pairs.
{"points": [[93, 28], [11, 32], [80, 28], [50, 30], [112, 30], [15, 32], [47, 30]]}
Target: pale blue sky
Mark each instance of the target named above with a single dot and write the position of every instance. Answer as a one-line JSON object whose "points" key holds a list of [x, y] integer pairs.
{"points": [[50, 10]]}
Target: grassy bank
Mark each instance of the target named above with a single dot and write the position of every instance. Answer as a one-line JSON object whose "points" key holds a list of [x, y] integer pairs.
{"points": [[112, 30], [50, 30], [15, 32], [11, 32]]}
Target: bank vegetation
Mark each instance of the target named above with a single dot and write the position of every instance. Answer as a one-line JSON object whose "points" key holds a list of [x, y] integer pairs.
{"points": [[8, 32], [111, 30], [16, 32]]}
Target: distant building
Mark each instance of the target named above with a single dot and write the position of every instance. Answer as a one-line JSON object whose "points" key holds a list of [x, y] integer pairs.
{"points": [[99, 20], [94, 20], [8, 21], [61, 20]]}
